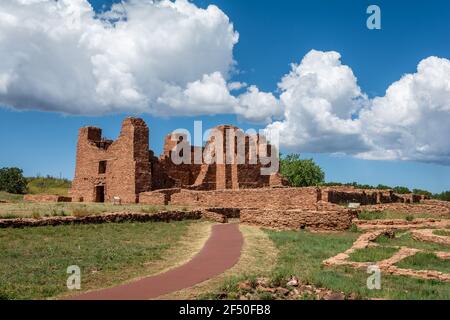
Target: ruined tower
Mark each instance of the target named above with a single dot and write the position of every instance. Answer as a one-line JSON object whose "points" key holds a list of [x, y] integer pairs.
{"points": [[106, 169]]}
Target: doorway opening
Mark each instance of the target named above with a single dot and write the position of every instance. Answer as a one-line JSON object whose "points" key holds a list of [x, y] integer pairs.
{"points": [[100, 194]]}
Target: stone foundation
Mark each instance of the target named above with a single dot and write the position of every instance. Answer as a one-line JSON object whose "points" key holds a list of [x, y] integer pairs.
{"points": [[159, 197], [434, 207], [45, 198], [103, 218], [298, 219]]}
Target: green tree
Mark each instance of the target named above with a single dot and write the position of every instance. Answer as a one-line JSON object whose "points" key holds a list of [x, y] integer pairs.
{"points": [[422, 192], [12, 180], [443, 196], [401, 190], [301, 172]]}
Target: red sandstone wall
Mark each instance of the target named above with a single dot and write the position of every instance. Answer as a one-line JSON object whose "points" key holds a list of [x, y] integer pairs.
{"points": [[159, 197], [298, 219], [305, 198], [433, 207], [128, 166]]}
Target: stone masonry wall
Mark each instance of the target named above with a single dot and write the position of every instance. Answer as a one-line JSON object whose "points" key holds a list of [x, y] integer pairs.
{"points": [[305, 198], [127, 163], [159, 197], [298, 219]]}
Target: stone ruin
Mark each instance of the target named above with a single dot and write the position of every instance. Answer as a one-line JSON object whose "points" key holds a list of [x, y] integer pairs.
{"points": [[125, 168]]}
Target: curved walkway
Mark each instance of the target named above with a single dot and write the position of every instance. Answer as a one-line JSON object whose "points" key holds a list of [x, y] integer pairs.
{"points": [[220, 252]]}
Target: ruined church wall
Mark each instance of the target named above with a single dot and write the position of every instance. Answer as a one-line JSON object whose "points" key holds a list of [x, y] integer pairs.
{"points": [[86, 172], [127, 164]]}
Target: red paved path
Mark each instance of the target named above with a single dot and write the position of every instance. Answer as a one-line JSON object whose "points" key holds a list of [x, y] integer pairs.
{"points": [[220, 252]]}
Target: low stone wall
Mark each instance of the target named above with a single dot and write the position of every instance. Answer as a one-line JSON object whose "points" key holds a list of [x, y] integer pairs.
{"points": [[433, 207], [386, 265], [346, 194], [227, 212], [103, 218], [298, 219], [304, 198], [160, 197], [45, 198], [214, 216], [401, 224], [428, 235], [362, 197]]}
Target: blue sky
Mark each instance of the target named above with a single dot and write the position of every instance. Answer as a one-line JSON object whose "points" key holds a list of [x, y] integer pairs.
{"points": [[272, 35]]}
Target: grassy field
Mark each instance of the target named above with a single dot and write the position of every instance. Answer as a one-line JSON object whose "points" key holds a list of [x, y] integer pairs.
{"points": [[302, 253], [444, 233], [9, 197], [39, 185], [39, 210], [372, 254], [33, 261], [48, 185], [404, 239], [425, 261]]}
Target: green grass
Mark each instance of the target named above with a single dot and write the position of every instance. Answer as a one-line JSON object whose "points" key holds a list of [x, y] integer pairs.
{"points": [[28, 210], [372, 254], [444, 233], [40, 185], [48, 185], [9, 197], [404, 239], [302, 253], [387, 214], [33, 261], [425, 261]]}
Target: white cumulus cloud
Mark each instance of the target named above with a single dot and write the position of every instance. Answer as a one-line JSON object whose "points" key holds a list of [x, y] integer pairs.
{"points": [[319, 97], [326, 111], [159, 57], [173, 58], [412, 121]]}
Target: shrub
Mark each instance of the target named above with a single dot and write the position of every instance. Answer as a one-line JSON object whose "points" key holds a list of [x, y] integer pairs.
{"points": [[401, 190], [445, 196], [48, 185], [81, 212], [35, 214], [12, 180], [422, 192], [353, 228], [301, 172]]}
